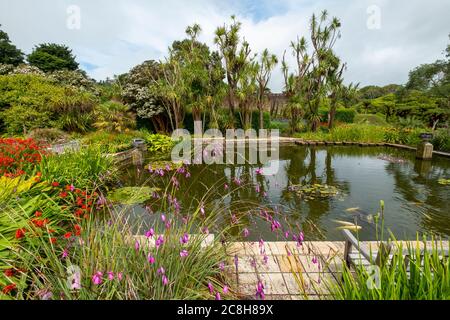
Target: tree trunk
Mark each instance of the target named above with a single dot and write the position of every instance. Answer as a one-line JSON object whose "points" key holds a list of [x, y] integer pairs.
{"points": [[331, 116], [261, 118]]}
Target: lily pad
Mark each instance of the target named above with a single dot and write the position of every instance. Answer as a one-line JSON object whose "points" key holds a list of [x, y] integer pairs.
{"points": [[444, 181], [315, 191], [164, 165], [132, 195]]}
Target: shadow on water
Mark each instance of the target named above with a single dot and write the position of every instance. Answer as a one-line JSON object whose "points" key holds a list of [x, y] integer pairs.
{"points": [[414, 200]]}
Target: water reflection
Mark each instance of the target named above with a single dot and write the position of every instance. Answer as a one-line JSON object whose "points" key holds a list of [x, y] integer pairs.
{"points": [[413, 198]]}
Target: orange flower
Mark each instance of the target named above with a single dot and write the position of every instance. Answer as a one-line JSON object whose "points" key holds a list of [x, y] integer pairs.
{"points": [[38, 214]]}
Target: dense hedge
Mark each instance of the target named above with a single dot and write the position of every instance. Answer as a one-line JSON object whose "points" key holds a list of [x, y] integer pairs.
{"points": [[345, 115]]}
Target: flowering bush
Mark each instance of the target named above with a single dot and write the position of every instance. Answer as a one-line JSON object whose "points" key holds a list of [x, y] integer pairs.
{"points": [[18, 155]]}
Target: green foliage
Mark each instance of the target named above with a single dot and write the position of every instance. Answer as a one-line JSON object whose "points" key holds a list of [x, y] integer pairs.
{"points": [[21, 119], [112, 142], [159, 142], [48, 135], [372, 119], [346, 115], [82, 168], [9, 54], [424, 276], [131, 195], [441, 140], [114, 117], [51, 57]]}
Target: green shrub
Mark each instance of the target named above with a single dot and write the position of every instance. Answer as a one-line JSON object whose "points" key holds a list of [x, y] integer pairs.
{"points": [[21, 119], [48, 135], [112, 142], [114, 117], [441, 140], [346, 115], [159, 142], [373, 119]]}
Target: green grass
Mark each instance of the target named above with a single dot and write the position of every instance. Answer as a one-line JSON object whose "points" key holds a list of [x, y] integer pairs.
{"points": [[347, 132]]}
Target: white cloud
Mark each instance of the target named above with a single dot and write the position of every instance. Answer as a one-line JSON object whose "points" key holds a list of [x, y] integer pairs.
{"points": [[115, 36]]}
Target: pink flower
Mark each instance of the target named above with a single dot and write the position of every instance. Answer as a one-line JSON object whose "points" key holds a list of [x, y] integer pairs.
{"points": [[110, 275], [225, 289], [265, 259], [260, 291], [119, 276], [159, 242], [210, 287], [161, 270], [218, 297], [184, 239], [136, 245], [314, 260], [163, 218], [97, 278], [259, 171], [65, 254], [150, 233], [205, 230], [222, 266], [165, 281], [151, 258], [246, 232], [184, 253], [225, 186], [236, 260]]}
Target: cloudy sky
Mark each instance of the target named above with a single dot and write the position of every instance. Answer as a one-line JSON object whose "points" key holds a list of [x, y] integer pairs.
{"points": [[381, 39]]}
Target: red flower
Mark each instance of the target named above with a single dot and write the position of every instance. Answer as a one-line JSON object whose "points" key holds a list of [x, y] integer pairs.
{"points": [[68, 235], [9, 288], [38, 214], [63, 194], [52, 240], [79, 212], [20, 233], [9, 272], [55, 184]]}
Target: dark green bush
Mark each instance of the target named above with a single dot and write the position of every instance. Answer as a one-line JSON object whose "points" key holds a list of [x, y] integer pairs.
{"points": [[441, 140], [345, 115]]}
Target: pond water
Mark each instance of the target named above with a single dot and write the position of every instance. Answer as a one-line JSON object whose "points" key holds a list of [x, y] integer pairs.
{"points": [[350, 177]]}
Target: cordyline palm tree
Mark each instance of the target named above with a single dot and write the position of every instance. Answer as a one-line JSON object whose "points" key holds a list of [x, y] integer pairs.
{"points": [[114, 117], [236, 58], [315, 68], [265, 66]]}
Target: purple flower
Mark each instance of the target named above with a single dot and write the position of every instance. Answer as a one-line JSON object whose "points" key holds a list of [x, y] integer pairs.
{"points": [[225, 186], [184, 239], [265, 259], [222, 266], [65, 254], [165, 281], [136, 245], [159, 242], [246, 233], [150, 233], [151, 258], [110, 275], [97, 278], [225, 289], [185, 220], [236, 260], [218, 296], [286, 234], [210, 287], [161, 270], [314, 260], [202, 209], [163, 218], [119, 276], [257, 188], [259, 171], [184, 253], [205, 230], [168, 224], [260, 291], [253, 263], [187, 175]]}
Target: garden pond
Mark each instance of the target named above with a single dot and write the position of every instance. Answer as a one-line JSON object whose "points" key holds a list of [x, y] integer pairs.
{"points": [[317, 189]]}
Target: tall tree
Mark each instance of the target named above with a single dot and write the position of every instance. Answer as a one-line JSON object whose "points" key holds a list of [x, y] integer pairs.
{"points": [[265, 66], [236, 58], [9, 54], [51, 57], [315, 68]]}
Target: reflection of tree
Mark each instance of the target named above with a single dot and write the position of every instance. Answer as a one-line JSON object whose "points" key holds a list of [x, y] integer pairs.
{"points": [[431, 201]]}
